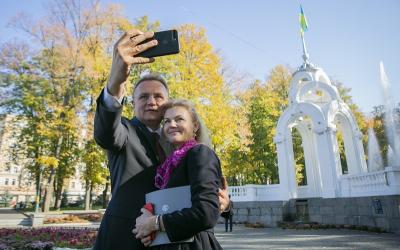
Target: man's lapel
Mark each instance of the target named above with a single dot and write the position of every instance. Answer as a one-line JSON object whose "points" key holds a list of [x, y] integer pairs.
{"points": [[166, 146], [148, 139]]}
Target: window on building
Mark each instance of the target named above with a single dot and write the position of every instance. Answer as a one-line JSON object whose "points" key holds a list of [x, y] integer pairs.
{"points": [[73, 184], [13, 182], [6, 182], [15, 170]]}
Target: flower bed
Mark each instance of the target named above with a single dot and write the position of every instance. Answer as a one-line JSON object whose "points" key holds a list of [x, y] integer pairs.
{"points": [[46, 238], [91, 217], [66, 219], [80, 218]]}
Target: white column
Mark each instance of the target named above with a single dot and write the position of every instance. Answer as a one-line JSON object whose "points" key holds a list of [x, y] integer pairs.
{"points": [[291, 169], [328, 164], [283, 163], [313, 178]]}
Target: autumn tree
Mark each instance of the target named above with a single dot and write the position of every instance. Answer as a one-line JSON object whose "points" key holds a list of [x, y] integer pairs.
{"points": [[254, 160], [50, 86]]}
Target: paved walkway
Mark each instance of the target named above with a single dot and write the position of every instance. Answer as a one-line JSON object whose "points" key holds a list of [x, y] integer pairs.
{"points": [[243, 238], [276, 238], [7, 213]]}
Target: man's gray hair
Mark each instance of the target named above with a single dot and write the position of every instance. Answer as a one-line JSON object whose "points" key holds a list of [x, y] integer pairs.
{"points": [[151, 77]]}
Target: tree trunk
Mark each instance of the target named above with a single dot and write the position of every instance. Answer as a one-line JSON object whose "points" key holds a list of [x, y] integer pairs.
{"points": [[91, 196], [37, 179], [106, 197], [48, 192], [59, 190], [41, 195], [50, 184], [88, 190]]}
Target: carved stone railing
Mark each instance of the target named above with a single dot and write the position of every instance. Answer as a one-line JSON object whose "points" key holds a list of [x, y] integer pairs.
{"points": [[256, 193], [384, 182]]}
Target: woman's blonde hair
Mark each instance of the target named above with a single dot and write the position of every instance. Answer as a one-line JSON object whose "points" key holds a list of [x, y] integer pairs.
{"points": [[202, 135]]}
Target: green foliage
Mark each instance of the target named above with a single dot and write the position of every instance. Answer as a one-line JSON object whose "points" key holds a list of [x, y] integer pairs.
{"points": [[300, 165], [95, 171], [257, 161], [342, 154], [6, 197]]}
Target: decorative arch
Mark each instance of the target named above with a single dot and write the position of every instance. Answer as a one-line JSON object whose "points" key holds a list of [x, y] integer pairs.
{"points": [[321, 152], [332, 92], [345, 122], [283, 139]]}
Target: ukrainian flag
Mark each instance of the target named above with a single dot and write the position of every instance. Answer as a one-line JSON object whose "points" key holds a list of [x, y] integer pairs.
{"points": [[303, 21]]}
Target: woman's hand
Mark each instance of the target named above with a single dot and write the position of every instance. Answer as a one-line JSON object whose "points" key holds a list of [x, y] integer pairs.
{"points": [[146, 240], [145, 225], [223, 194]]}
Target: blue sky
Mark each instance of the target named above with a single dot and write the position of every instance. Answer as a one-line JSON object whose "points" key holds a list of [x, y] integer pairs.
{"points": [[347, 39]]}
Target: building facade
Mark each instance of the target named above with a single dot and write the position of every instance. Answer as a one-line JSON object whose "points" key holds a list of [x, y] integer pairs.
{"points": [[17, 184]]}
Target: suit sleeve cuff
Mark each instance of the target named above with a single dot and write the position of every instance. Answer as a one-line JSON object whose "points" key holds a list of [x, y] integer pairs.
{"points": [[111, 101]]}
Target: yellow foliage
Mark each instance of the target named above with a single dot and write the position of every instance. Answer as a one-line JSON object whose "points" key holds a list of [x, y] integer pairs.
{"points": [[47, 161]]}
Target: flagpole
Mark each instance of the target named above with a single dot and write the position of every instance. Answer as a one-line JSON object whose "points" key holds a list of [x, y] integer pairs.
{"points": [[305, 54], [304, 27]]}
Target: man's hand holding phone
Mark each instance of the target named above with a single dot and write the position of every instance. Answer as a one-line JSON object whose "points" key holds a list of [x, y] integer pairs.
{"points": [[124, 56], [168, 44], [136, 47]]}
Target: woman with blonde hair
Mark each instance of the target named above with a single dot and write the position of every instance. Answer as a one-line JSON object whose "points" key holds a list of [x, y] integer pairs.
{"points": [[192, 163]]}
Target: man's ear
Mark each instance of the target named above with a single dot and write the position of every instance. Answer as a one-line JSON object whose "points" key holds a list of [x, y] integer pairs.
{"points": [[132, 101]]}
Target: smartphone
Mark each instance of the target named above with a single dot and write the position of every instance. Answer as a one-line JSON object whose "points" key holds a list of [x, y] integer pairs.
{"points": [[168, 44]]}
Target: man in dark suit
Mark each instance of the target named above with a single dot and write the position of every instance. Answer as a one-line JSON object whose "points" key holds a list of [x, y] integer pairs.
{"points": [[132, 146]]}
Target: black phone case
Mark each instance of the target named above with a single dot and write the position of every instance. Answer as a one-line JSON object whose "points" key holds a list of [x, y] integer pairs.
{"points": [[168, 44]]}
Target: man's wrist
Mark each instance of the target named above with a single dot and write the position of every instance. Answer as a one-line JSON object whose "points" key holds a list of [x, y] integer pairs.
{"points": [[112, 101], [116, 92]]}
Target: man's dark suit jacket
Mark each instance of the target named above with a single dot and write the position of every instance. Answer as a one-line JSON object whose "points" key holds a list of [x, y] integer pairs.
{"points": [[132, 165]]}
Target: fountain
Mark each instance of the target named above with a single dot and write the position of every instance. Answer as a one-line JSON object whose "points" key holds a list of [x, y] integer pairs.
{"points": [[390, 157], [375, 162], [391, 124]]}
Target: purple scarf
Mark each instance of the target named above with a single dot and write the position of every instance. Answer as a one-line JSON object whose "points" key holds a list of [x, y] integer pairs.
{"points": [[172, 161]]}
